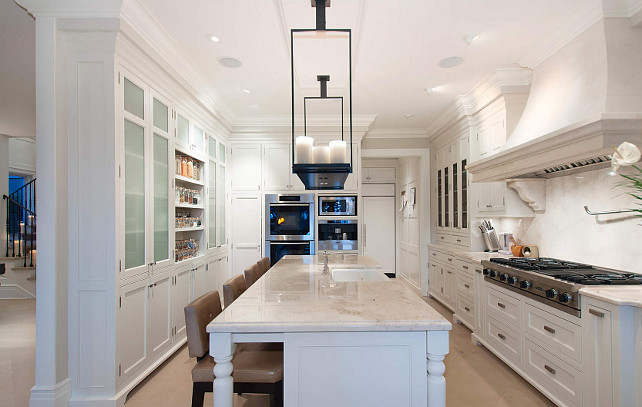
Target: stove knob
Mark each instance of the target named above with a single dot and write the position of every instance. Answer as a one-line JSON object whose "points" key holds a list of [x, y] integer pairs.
{"points": [[512, 280], [565, 297], [486, 271], [525, 284], [503, 277], [493, 273], [551, 293]]}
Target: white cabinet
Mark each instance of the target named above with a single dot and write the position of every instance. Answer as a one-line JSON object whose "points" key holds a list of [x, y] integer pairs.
{"points": [[247, 169], [378, 231], [247, 210], [132, 325], [452, 186], [597, 353], [277, 170], [181, 291], [198, 281], [216, 274], [382, 175], [491, 135], [491, 197], [188, 135], [160, 330]]}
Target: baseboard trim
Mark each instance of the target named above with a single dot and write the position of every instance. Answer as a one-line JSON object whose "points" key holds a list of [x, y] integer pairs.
{"points": [[51, 396], [14, 292]]}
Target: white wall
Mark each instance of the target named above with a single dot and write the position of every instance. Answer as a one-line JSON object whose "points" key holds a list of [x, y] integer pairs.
{"points": [[22, 156], [565, 231], [409, 220]]}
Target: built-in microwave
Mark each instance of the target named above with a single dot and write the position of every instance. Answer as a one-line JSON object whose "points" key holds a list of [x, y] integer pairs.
{"points": [[338, 205]]}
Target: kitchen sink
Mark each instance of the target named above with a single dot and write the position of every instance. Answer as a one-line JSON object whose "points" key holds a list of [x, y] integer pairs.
{"points": [[352, 274]]}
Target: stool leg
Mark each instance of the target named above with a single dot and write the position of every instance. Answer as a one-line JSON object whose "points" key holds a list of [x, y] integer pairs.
{"points": [[198, 394]]}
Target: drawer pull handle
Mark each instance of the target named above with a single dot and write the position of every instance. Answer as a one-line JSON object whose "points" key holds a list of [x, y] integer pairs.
{"points": [[458, 240], [467, 309], [550, 369], [549, 329], [596, 313], [502, 337], [442, 290], [500, 305], [464, 267], [449, 259], [450, 272], [441, 237], [466, 285], [478, 270]]}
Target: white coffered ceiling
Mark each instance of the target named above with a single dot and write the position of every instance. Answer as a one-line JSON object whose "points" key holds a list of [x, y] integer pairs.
{"points": [[396, 50]]}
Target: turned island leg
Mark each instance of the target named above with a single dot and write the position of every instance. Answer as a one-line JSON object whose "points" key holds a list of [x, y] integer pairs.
{"points": [[436, 350], [222, 349]]}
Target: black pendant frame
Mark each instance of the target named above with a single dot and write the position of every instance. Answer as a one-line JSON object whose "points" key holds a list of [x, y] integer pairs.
{"points": [[322, 176]]}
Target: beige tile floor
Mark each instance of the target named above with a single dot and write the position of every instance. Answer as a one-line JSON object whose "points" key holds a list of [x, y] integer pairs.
{"points": [[474, 376]]}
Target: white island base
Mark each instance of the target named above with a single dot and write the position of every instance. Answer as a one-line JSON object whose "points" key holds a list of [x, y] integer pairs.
{"points": [[345, 343]]}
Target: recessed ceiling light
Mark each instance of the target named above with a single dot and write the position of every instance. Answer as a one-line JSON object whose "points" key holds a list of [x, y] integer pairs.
{"points": [[229, 62], [470, 38], [246, 91], [430, 90], [451, 62], [214, 38]]}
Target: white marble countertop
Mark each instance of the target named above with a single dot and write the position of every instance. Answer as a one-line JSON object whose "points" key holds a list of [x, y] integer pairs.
{"points": [[473, 256], [630, 295], [295, 296]]}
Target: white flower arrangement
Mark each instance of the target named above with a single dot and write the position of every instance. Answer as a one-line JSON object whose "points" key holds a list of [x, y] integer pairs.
{"points": [[627, 154]]}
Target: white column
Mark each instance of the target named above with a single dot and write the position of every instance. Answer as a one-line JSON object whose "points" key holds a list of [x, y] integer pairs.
{"points": [[222, 349], [436, 350], [4, 190], [52, 383]]}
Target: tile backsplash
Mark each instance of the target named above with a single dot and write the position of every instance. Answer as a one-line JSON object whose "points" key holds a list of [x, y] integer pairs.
{"points": [[567, 232]]}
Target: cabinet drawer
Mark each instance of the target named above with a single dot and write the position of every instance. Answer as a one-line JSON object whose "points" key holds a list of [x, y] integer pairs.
{"points": [[464, 267], [560, 379], [562, 335], [443, 237], [504, 308], [466, 309], [507, 343], [465, 286], [463, 241]]}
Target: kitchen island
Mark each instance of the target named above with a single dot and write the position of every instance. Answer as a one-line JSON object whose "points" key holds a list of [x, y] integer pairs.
{"points": [[346, 343]]}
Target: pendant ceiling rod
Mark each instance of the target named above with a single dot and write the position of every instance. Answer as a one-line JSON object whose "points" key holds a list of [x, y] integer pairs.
{"points": [[324, 79], [320, 6]]}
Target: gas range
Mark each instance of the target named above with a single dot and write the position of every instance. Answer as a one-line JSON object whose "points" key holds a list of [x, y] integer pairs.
{"points": [[552, 281]]}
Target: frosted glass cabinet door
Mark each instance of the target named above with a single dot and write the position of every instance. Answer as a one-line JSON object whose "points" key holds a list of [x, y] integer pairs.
{"points": [[161, 199], [134, 101], [197, 139], [211, 217], [221, 204], [134, 195], [182, 130], [161, 116]]}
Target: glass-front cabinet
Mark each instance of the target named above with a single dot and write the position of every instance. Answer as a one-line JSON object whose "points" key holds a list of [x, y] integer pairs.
{"points": [[217, 155], [452, 186]]}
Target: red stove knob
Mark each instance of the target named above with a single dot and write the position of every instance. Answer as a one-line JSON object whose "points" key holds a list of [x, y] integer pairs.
{"points": [[565, 297]]}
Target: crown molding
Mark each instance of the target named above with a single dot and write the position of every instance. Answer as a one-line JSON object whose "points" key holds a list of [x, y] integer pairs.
{"points": [[503, 81], [396, 133], [141, 28], [72, 8], [283, 124]]}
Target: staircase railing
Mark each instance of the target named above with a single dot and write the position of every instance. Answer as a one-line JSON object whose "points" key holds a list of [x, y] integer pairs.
{"points": [[21, 223]]}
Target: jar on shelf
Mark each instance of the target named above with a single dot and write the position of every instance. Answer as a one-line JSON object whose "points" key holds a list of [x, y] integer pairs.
{"points": [[177, 194], [184, 167], [177, 171], [190, 168]]}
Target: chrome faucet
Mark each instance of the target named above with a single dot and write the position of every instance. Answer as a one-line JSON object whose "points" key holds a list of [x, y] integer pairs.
{"points": [[325, 262]]}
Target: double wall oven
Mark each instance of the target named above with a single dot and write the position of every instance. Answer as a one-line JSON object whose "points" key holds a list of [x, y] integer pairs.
{"points": [[338, 225], [289, 225]]}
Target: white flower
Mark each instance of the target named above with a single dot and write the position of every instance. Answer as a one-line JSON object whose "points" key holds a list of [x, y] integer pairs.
{"points": [[625, 154]]}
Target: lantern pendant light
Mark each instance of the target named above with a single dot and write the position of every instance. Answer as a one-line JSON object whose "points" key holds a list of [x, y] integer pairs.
{"points": [[323, 166]]}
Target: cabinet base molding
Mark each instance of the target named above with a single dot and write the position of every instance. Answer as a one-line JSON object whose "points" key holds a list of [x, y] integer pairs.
{"points": [[51, 396], [462, 321]]}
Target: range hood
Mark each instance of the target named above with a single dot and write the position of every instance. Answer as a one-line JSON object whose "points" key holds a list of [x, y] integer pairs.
{"points": [[585, 99]]}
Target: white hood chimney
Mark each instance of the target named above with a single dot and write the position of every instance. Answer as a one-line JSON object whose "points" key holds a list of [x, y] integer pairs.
{"points": [[585, 98]]}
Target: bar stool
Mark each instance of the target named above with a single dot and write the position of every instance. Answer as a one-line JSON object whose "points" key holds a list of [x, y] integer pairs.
{"points": [[255, 371], [233, 288], [252, 274], [264, 265]]}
